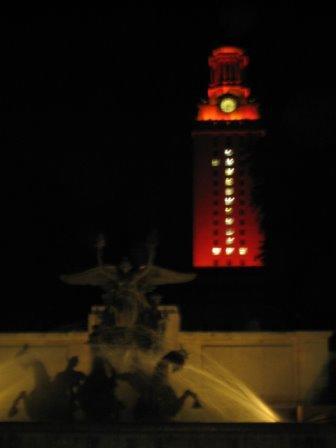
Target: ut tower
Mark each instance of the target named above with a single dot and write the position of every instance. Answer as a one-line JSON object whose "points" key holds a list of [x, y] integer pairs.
{"points": [[226, 221]]}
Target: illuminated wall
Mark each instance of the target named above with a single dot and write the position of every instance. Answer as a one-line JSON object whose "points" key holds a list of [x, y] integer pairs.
{"points": [[226, 222]]}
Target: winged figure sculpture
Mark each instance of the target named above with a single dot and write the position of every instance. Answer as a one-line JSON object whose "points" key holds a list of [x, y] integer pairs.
{"points": [[125, 287]]}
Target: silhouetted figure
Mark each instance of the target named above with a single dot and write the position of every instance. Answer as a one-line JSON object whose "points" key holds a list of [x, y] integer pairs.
{"points": [[96, 396], [50, 400], [65, 387], [158, 401], [38, 402]]}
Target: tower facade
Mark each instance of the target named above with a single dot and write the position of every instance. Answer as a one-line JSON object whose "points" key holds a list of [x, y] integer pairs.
{"points": [[226, 221]]}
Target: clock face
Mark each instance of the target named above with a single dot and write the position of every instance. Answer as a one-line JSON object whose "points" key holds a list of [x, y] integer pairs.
{"points": [[228, 104]]}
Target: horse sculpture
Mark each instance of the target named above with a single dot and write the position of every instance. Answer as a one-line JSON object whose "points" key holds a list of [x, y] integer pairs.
{"points": [[50, 400], [37, 403], [157, 400]]}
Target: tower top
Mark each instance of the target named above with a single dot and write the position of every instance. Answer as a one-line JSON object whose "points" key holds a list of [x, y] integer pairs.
{"points": [[228, 99], [226, 64]]}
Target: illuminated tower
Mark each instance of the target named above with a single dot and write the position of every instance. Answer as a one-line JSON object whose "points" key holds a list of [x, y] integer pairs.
{"points": [[226, 221]]}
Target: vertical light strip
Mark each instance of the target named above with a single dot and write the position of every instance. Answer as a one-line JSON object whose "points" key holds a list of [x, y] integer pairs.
{"points": [[229, 200]]}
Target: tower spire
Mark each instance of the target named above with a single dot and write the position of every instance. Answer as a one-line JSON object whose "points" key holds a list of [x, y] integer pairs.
{"points": [[226, 88]]}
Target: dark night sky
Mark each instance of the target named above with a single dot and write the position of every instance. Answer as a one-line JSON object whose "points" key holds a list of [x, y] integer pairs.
{"points": [[97, 110]]}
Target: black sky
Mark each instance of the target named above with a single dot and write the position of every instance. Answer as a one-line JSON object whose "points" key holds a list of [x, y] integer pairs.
{"points": [[97, 111]]}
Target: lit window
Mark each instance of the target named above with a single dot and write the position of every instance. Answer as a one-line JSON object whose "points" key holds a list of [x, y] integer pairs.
{"points": [[242, 250], [228, 210], [216, 250], [229, 232], [229, 161], [215, 162], [229, 250], [229, 191], [229, 201], [229, 171], [228, 152], [229, 221], [230, 240], [229, 181]]}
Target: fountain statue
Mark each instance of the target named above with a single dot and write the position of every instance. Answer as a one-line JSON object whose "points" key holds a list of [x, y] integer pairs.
{"points": [[131, 311], [129, 373], [131, 320]]}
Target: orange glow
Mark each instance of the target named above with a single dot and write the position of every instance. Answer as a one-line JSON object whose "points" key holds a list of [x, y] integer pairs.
{"points": [[208, 112], [228, 50], [217, 91], [227, 64]]}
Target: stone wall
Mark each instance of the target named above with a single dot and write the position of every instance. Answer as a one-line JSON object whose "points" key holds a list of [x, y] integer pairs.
{"points": [[286, 368]]}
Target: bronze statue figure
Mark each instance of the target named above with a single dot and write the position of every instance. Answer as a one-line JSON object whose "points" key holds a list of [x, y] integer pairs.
{"points": [[158, 402], [126, 288]]}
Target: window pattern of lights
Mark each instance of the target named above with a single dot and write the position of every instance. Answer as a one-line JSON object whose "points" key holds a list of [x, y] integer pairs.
{"points": [[229, 245], [229, 200], [216, 250], [229, 171]]}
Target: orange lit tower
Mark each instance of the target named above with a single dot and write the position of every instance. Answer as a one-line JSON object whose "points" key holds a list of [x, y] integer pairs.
{"points": [[226, 221]]}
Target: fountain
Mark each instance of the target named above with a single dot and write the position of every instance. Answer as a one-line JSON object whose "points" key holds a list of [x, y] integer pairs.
{"points": [[134, 372], [130, 381]]}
